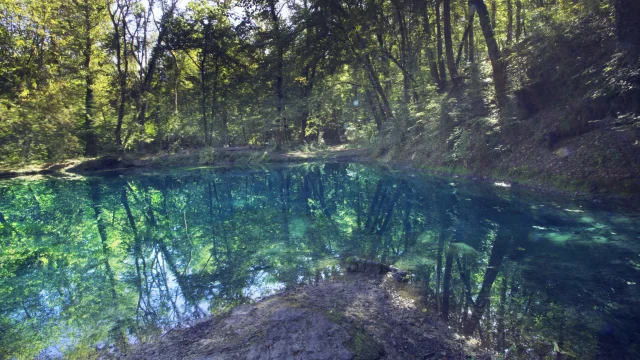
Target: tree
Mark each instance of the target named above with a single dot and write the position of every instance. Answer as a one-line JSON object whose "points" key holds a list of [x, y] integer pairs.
{"points": [[497, 63], [627, 14], [448, 43]]}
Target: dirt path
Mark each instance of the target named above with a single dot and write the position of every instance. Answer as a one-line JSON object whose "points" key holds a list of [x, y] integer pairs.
{"points": [[354, 317]]}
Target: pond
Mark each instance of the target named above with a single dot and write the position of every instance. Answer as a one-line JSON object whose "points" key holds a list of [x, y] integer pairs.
{"points": [[91, 265]]}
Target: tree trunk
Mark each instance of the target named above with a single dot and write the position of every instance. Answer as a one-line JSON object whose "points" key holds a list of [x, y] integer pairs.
{"points": [[509, 22], [499, 68], [373, 78], [443, 74], [214, 100], [433, 66], [91, 147], [203, 89], [494, 11], [519, 20], [472, 40], [627, 14], [122, 65], [309, 74], [467, 32], [403, 50], [279, 73], [448, 42]]}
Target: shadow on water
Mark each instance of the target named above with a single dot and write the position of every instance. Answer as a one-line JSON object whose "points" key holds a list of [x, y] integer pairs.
{"points": [[88, 266]]}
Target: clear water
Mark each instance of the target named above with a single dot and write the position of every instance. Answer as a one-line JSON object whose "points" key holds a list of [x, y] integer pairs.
{"points": [[89, 266]]}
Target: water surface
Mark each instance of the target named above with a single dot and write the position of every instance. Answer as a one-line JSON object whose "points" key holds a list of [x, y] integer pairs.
{"points": [[88, 266]]}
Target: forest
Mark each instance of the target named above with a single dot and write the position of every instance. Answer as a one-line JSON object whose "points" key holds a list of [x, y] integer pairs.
{"points": [[170, 168], [472, 85]]}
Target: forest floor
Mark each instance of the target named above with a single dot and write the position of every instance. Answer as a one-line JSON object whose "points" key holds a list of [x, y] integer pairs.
{"points": [[355, 316], [545, 175]]}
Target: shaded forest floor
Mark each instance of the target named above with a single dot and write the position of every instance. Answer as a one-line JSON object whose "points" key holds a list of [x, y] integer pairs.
{"points": [[572, 122], [547, 175], [357, 316]]}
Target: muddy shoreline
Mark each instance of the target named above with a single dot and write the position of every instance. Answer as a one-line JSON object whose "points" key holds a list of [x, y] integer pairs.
{"points": [[256, 156]]}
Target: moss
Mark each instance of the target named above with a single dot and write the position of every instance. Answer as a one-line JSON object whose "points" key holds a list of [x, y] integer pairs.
{"points": [[364, 346]]}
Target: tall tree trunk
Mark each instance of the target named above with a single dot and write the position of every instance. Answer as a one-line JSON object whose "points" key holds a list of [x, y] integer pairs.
{"points": [[494, 11], [519, 20], [225, 127], [627, 14], [433, 66], [403, 49], [448, 42], [279, 72], [375, 82], [145, 85], [467, 31], [215, 100], [443, 76], [509, 22], [472, 40], [309, 74], [372, 105], [203, 89], [91, 147], [497, 63], [118, 19]]}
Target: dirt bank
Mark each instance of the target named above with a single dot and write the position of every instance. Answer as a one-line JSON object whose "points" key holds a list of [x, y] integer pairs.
{"points": [[357, 316], [200, 157]]}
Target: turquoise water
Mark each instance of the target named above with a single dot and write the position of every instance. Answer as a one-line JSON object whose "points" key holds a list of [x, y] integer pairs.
{"points": [[88, 266]]}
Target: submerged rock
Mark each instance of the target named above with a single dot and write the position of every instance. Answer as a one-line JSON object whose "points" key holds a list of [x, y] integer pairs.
{"points": [[355, 264]]}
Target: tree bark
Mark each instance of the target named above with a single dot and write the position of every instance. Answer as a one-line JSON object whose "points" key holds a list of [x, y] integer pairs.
{"points": [[497, 63], [91, 147], [472, 40], [509, 22], [467, 33], [403, 50], [448, 42], [518, 20], [627, 14], [443, 74], [203, 89], [279, 72], [433, 66], [118, 17], [494, 11]]}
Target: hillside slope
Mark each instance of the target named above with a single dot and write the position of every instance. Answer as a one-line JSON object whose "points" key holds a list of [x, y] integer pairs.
{"points": [[573, 122]]}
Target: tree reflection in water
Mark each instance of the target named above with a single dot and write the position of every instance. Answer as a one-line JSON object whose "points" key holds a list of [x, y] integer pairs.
{"points": [[92, 265]]}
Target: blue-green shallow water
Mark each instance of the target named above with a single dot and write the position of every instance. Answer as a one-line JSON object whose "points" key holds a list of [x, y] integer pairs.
{"points": [[89, 266]]}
